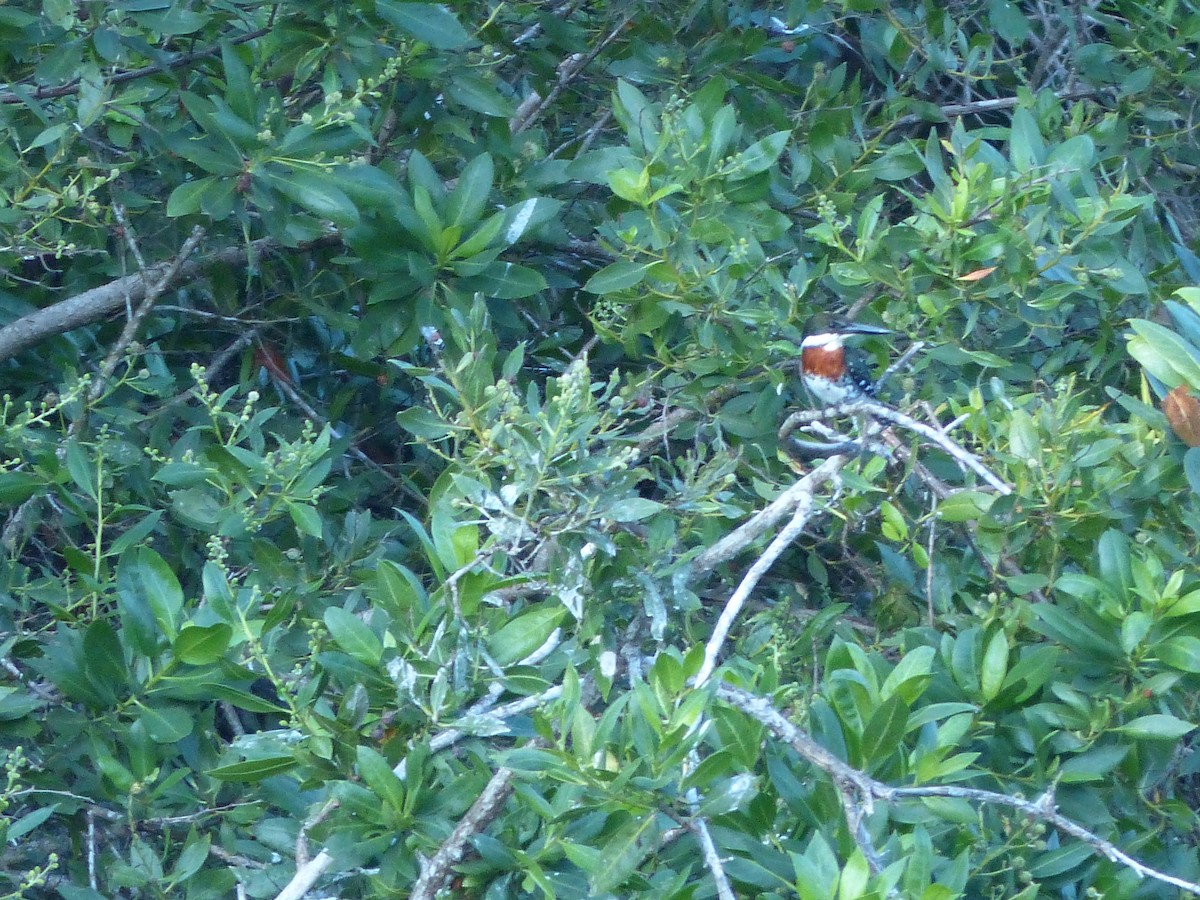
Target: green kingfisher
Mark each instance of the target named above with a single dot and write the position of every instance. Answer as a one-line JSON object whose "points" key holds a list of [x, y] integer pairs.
{"points": [[832, 372]]}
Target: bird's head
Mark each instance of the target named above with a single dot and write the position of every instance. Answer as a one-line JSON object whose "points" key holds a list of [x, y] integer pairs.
{"points": [[828, 331]]}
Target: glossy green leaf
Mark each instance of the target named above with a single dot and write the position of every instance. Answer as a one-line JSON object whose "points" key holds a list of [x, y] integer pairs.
{"points": [[200, 645], [353, 635], [253, 770], [618, 276], [881, 736], [380, 778], [994, 666], [527, 632], [1156, 727], [470, 196], [432, 23], [423, 423], [760, 155], [508, 281], [166, 723], [316, 192], [17, 487]]}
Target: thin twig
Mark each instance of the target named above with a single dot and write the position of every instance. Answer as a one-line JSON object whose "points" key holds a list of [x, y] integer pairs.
{"points": [[712, 859], [584, 140], [13, 96], [568, 70], [933, 505], [288, 390], [899, 364], [154, 290]]}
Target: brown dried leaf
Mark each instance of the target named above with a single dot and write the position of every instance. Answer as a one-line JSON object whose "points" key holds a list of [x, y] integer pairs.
{"points": [[978, 274], [1183, 412]]}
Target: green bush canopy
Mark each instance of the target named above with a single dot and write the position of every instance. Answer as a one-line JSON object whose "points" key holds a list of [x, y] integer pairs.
{"points": [[408, 489]]}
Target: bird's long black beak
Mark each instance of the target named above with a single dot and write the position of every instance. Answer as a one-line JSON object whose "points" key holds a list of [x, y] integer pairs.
{"points": [[863, 328]]}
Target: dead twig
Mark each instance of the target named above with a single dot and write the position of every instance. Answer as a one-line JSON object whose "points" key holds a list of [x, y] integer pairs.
{"points": [[883, 413], [860, 790], [761, 522], [803, 508], [568, 70], [153, 290], [436, 871]]}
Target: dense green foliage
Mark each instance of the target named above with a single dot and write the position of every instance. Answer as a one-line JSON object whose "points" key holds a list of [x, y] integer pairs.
{"points": [[414, 472]]}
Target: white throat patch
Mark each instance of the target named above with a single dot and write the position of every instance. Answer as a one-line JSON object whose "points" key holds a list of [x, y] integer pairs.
{"points": [[826, 341]]}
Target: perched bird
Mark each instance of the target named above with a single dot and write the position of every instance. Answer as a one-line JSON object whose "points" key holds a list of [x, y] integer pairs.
{"points": [[832, 373]]}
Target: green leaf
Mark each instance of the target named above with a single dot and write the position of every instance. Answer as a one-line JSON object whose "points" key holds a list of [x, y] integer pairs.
{"points": [[81, 468], [623, 852], [519, 637], [306, 519], [240, 93], [479, 95], [1026, 147], [633, 509], [17, 487], [166, 723], [760, 155], [27, 823], [253, 769], [965, 505], [380, 778], [1165, 355], [630, 184], [242, 699], [522, 218], [883, 731], [104, 659], [423, 423], [194, 854], [162, 590], [397, 590], [994, 667], [316, 192], [201, 645], [353, 635], [466, 203], [508, 281], [429, 22], [855, 876], [1094, 764], [186, 199], [135, 534], [1181, 652], [618, 276], [911, 675], [1156, 727]]}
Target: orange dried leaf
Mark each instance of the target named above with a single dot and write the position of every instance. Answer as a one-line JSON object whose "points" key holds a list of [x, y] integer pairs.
{"points": [[1182, 409], [978, 274]]}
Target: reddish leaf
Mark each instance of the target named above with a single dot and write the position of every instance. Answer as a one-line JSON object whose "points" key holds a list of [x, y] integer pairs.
{"points": [[978, 274], [1183, 412]]}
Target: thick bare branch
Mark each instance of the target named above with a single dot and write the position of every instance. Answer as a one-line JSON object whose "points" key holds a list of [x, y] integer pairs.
{"points": [[486, 807], [748, 532], [791, 531], [93, 305], [98, 302]]}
